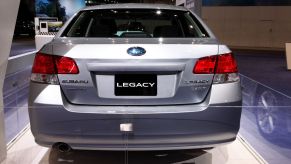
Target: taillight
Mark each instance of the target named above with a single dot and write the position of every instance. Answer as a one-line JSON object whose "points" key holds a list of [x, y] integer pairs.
{"points": [[226, 64], [223, 66], [66, 65], [46, 67], [205, 65], [43, 64]]}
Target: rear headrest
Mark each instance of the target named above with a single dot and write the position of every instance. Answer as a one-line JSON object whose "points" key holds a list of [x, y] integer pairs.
{"points": [[136, 26], [167, 31]]}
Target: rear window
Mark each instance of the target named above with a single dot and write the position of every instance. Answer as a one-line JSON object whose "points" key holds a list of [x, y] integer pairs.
{"points": [[135, 23]]}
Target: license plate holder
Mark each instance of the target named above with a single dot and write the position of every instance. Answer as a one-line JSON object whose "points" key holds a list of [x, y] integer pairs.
{"points": [[135, 85]]}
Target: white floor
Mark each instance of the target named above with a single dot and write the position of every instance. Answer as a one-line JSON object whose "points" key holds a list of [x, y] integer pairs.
{"points": [[25, 151]]}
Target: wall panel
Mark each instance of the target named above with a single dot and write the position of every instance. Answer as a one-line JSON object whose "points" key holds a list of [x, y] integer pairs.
{"points": [[264, 27]]}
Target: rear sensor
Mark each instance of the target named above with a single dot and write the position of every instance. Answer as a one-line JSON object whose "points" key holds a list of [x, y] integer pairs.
{"points": [[127, 127]]}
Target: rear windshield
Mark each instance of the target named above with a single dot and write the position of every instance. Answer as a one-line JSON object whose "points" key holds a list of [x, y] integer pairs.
{"points": [[135, 23]]}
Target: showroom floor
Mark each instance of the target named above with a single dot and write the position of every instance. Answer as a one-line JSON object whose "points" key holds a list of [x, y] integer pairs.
{"points": [[266, 116], [25, 150], [265, 67], [22, 44]]}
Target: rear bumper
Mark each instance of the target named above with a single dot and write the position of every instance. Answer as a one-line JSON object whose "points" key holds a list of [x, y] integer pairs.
{"points": [[194, 127], [150, 132]]}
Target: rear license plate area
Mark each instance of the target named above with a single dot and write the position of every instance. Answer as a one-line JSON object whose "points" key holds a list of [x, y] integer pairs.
{"points": [[135, 85]]}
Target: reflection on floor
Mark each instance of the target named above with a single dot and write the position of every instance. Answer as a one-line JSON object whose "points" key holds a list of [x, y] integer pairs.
{"points": [[266, 121], [26, 151], [15, 97]]}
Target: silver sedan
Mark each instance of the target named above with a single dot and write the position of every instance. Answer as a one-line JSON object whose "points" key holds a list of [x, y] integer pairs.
{"points": [[135, 77]]}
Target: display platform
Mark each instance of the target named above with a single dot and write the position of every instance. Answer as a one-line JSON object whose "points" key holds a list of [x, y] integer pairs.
{"points": [[236, 152], [265, 123]]}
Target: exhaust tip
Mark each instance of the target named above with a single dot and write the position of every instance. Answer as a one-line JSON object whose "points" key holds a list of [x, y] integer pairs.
{"points": [[62, 147]]}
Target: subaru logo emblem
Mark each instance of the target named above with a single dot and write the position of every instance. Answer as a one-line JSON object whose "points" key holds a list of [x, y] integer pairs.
{"points": [[136, 51]]}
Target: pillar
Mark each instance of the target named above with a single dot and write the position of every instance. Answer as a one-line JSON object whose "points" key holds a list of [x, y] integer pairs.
{"points": [[8, 15]]}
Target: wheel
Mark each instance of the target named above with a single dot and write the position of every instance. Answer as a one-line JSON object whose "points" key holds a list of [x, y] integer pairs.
{"points": [[268, 118]]}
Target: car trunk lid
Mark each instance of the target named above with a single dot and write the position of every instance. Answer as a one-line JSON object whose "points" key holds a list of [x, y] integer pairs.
{"points": [[110, 76]]}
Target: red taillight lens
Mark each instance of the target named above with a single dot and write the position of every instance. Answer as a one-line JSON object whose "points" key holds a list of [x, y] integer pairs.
{"points": [[66, 65], [43, 64], [49, 64], [219, 64], [205, 65], [226, 64]]}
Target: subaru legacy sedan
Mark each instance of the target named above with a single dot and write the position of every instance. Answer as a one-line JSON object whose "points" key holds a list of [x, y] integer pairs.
{"points": [[134, 77]]}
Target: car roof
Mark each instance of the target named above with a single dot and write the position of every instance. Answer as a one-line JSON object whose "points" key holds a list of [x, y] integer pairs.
{"points": [[136, 6]]}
